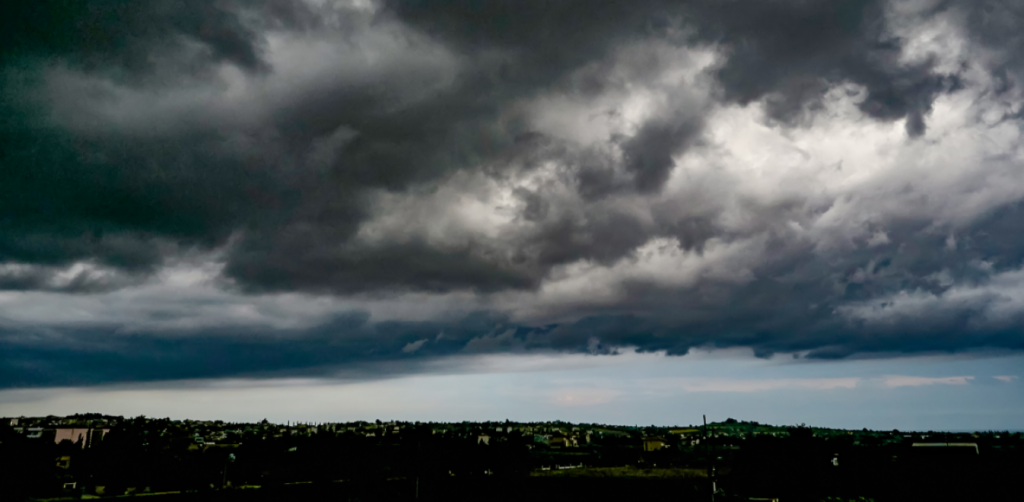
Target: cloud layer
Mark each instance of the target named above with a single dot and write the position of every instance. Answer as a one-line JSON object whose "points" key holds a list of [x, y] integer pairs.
{"points": [[197, 189]]}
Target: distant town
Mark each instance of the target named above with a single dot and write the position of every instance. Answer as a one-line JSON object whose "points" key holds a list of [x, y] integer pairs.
{"points": [[98, 456]]}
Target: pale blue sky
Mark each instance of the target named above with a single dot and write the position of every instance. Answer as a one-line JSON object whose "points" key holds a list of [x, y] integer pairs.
{"points": [[923, 393]]}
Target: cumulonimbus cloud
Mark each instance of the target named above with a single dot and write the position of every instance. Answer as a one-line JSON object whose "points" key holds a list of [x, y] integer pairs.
{"points": [[822, 178]]}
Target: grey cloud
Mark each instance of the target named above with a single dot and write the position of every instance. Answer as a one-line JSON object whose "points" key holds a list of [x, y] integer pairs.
{"points": [[301, 263], [649, 152], [602, 234], [995, 24], [493, 342], [53, 279], [414, 346], [132, 36], [795, 307], [280, 172], [196, 188], [789, 51], [104, 354]]}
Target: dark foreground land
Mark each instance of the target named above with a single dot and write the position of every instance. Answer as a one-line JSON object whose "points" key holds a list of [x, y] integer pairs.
{"points": [[581, 489], [99, 457]]}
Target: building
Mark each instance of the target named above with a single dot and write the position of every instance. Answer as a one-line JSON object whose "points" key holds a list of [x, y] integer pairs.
{"points": [[64, 462], [483, 439], [654, 443], [561, 441], [944, 451], [88, 437]]}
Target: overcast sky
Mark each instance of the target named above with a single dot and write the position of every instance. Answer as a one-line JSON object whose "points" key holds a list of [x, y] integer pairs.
{"points": [[776, 208]]}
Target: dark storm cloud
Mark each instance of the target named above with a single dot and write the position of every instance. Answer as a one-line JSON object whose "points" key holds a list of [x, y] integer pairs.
{"points": [[789, 51], [111, 35], [125, 198], [300, 263], [649, 152], [66, 198], [103, 354], [995, 23], [769, 319], [51, 279], [791, 308], [785, 50], [284, 178], [67, 191]]}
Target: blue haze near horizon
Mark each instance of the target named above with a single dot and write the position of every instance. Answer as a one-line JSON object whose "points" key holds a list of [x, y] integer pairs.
{"points": [[924, 393]]}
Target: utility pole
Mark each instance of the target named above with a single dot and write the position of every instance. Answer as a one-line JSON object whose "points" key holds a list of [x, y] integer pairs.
{"points": [[419, 466], [710, 468], [224, 482]]}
